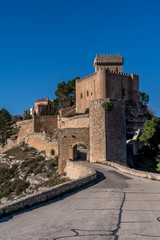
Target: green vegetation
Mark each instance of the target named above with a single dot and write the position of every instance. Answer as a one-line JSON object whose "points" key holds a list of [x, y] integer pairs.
{"points": [[52, 151], [6, 126], [144, 98], [107, 105], [66, 97], [55, 180], [27, 117], [151, 140], [21, 153], [9, 181], [50, 109], [31, 171], [66, 94]]}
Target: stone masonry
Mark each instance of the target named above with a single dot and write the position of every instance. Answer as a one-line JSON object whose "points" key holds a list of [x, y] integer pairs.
{"points": [[107, 131], [108, 81]]}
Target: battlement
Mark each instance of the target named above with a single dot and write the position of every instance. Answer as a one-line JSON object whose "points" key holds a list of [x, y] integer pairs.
{"points": [[132, 75], [88, 76], [108, 59]]}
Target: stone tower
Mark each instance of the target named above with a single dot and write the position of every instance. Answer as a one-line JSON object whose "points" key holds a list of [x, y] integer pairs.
{"points": [[110, 62], [108, 81]]}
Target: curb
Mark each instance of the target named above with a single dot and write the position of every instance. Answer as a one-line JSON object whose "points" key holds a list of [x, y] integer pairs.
{"points": [[134, 172]]}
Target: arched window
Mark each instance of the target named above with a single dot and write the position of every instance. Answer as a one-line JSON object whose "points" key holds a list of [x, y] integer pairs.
{"points": [[87, 93], [81, 95]]}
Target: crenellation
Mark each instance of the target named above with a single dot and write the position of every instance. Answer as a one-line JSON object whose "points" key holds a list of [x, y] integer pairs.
{"points": [[108, 81], [90, 75]]}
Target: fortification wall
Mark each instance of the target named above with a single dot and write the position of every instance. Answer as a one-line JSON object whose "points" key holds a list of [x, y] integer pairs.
{"points": [[40, 142], [45, 123], [106, 84], [25, 128], [79, 121], [107, 131], [65, 112], [75, 169], [119, 86], [67, 139], [85, 92]]}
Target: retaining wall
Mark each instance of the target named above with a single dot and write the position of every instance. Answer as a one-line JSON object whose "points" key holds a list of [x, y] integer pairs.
{"points": [[77, 170], [137, 173], [79, 121], [48, 194], [45, 123], [39, 141]]}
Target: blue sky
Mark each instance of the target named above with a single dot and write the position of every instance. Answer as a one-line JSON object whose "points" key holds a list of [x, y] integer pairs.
{"points": [[44, 42]]}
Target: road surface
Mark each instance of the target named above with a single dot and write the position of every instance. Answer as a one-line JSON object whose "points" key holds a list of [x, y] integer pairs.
{"points": [[118, 206]]}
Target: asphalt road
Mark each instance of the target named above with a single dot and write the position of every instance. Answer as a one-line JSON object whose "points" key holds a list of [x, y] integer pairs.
{"points": [[118, 206]]}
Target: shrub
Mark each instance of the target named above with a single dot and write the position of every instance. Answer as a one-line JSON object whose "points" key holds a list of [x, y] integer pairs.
{"points": [[19, 186], [107, 105], [52, 151]]}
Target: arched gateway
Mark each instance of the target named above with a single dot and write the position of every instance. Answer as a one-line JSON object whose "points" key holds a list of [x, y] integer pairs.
{"points": [[69, 138]]}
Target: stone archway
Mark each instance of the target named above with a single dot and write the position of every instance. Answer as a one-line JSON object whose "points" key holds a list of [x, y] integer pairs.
{"points": [[80, 152], [68, 139]]}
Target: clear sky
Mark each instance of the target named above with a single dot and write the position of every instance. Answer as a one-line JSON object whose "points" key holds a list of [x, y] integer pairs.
{"points": [[44, 42]]}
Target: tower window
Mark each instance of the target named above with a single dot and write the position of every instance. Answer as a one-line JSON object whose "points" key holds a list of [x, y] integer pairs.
{"points": [[81, 95], [91, 93], [87, 93]]}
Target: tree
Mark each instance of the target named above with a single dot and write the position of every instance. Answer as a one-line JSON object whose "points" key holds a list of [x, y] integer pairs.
{"points": [[151, 139], [66, 94], [144, 97], [51, 108], [5, 126]]}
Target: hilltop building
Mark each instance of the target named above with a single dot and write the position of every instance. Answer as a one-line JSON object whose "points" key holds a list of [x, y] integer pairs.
{"points": [[108, 81], [108, 122]]}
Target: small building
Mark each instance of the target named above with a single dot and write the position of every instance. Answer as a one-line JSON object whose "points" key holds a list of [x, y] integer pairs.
{"points": [[40, 104]]}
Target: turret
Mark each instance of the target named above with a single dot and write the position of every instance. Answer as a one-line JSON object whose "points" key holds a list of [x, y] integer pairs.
{"points": [[111, 62]]}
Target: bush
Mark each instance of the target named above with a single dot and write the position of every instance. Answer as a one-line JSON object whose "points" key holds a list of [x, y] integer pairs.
{"points": [[52, 151], [19, 186], [107, 105]]}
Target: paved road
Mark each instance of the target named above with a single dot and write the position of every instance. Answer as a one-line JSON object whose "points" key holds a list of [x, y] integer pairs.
{"points": [[119, 206]]}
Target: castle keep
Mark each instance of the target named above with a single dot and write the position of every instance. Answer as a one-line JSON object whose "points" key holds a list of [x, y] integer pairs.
{"points": [[108, 81]]}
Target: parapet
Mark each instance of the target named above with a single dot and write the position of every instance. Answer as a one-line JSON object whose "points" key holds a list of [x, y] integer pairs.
{"points": [[106, 60]]}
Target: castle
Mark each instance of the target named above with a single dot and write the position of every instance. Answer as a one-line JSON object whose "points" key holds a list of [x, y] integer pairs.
{"points": [[108, 116], [108, 81]]}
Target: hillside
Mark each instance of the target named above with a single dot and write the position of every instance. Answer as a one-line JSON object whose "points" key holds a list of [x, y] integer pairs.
{"points": [[25, 170]]}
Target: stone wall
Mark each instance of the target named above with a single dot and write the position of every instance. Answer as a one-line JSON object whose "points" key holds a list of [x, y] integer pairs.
{"points": [[50, 193], [25, 128], [68, 138], [10, 144], [85, 92], [65, 112], [75, 169], [42, 143], [107, 131], [79, 121], [45, 123], [107, 82], [134, 172]]}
